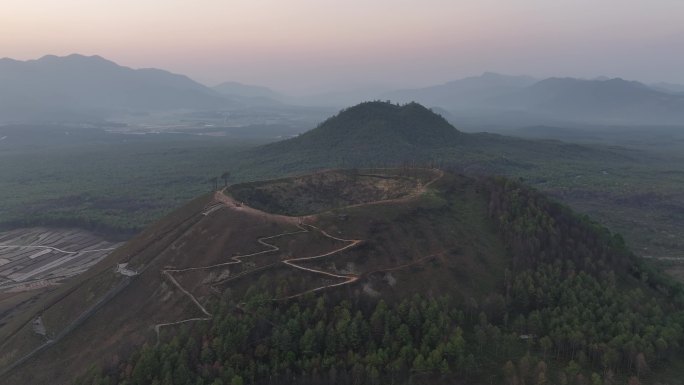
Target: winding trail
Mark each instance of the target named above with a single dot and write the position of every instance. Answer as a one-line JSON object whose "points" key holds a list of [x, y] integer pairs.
{"points": [[222, 199], [349, 278], [270, 248]]}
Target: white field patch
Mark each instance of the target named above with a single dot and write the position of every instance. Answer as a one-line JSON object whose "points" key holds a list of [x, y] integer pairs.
{"points": [[40, 253], [32, 257]]}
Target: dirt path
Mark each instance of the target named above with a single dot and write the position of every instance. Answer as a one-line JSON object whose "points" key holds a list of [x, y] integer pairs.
{"points": [[348, 278], [270, 248], [232, 204]]}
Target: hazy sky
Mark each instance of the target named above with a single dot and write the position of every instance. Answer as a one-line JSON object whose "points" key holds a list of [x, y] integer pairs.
{"points": [[314, 45]]}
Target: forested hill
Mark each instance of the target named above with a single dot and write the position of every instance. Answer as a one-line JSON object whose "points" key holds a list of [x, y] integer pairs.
{"points": [[383, 134], [410, 124], [519, 290], [371, 132]]}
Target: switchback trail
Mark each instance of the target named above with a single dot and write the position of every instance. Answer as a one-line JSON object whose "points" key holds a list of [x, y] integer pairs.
{"points": [[350, 278], [221, 198], [220, 201], [270, 248]]}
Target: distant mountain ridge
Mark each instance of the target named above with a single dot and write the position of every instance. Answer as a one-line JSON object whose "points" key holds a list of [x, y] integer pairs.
{"points": [[669, 87], [91, 86], [464, 93], [241, 90], [81, 88], [600, 100], [609, 101]]}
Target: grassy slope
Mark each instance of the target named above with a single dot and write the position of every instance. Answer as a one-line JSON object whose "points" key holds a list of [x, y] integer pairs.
{"points": [[69, 301], [450, 221]]}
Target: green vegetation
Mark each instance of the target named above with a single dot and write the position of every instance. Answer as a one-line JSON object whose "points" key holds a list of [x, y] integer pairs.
{"points": [[574, 306], [112, 184], [313, 341], [419, 340], [118, 184], [635, 190], [580, 292]]}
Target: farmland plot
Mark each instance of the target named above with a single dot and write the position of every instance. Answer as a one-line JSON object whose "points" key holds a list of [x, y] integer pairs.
{"points": [[37, 257]]}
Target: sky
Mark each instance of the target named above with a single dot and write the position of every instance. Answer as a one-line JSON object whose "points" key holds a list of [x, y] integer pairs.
{"points": [[309, 46]]}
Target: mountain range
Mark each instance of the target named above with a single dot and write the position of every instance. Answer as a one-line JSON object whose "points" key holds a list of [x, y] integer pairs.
{"points": [[470, 92], [90, 87], [669, 87], [83, 88], [519, 98], [246, 91]]}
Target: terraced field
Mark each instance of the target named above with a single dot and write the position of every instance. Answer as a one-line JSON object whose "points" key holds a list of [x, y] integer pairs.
{"points": [[37, 257]]}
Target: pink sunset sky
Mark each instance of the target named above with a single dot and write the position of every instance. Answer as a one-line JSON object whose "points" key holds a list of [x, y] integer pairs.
{"points": [[303, 46]]}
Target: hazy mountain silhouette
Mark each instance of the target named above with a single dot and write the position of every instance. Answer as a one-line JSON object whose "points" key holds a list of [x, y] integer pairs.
{"points": [[79, 86], [501, 99], [462, 94], [255, 94], [669, 87], [605, 101]]}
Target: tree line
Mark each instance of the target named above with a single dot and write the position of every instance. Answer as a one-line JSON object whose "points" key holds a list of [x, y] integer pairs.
{"points": [[575, 307]]}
